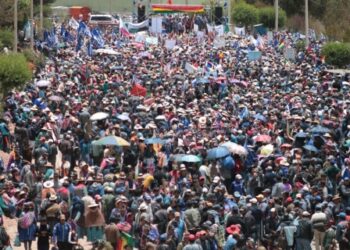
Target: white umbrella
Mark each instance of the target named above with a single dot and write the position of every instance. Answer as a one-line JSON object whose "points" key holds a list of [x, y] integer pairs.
{"points": [[42, 83], [107, 51], [99, 116], [235, 148]]}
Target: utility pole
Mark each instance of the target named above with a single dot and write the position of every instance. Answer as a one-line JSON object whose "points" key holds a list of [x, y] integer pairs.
{"points": [[31, 24], [15, 26], [276, 15], [307, 23], [41, 16]]}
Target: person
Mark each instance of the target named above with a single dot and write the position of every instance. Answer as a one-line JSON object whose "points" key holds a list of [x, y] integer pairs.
{"points": [[319, 221], [192, 245], [112, 232], [304, 234], [342, 232], [60, 234], [94, 222], [27, 225], [43, 234]]}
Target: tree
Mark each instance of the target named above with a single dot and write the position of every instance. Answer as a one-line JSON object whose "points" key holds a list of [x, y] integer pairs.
{"points": [[337, 54], [337, 19], [245, 14], [14, 71], [267, 17]]}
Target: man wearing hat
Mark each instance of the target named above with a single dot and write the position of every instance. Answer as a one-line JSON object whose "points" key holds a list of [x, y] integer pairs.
{"points": [[304, 234]]}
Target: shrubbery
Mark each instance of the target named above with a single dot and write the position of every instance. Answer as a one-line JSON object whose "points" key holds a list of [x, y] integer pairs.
{"points": [[14, 71], [337, 54], [32, 57], [267, 17], [6, 38], [245, 14]]}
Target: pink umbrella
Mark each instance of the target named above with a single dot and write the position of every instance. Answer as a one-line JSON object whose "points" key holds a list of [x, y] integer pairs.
{"points": [[263, 138]]}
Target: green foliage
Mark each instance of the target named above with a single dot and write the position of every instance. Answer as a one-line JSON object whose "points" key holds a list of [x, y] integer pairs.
{"points": [[300, 45], [36, 59], [267, 17], [6, 38], [337, 54], [14, 71], [245, 14]]}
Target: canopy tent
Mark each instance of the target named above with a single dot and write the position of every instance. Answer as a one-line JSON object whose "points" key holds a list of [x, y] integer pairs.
{"points": [[173, 8]]}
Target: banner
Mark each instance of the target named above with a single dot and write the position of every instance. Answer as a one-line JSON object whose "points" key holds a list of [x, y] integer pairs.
{"points": [[219, 30], [170, 44], [254, 55], [269, 37], [219, 42], [152, 40], [190, 68], [240, 31], [136, 26], [289, 54], [156, 25]]}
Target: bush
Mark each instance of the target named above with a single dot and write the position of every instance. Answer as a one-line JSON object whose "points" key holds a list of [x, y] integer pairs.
{"points": [[14, 71], [337, 54], [267, 17], [300, 45], [245, 14], [32, 57], [6, 38]]}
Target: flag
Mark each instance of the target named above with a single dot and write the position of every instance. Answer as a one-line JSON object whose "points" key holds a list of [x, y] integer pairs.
{"points": [[123, 30], [73, 23], [84, 29], [97, 38], [79, 43], [124, 241], [89, 48]]}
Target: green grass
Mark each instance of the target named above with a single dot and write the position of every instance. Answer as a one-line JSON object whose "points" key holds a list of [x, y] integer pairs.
{"points": [[116, 5]]}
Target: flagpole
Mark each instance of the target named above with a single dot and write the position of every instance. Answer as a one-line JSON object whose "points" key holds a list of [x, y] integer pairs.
{"points": [[15, 26], [31, 24]]}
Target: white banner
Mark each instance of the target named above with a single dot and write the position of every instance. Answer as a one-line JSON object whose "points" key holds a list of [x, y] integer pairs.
{"points": [[156, 25], [190, 68], [170, 44], [152, 40], [141, 25], [219, 42], [240, 31], [219, 30]]}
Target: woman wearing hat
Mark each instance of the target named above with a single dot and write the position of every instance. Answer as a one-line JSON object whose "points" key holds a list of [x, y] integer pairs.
{"points": [[27, 225], [94, 223]]}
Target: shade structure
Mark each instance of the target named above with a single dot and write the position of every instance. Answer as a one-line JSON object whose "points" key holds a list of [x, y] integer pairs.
{"points": [[99, 116], [138, 90], [218, 152], [112, 141], [174, 8], [235, 148]]}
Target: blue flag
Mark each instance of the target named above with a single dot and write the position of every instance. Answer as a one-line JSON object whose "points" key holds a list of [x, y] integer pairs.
{"points": [[97, 38], [80, 43], [89, 48], [83, 29]]}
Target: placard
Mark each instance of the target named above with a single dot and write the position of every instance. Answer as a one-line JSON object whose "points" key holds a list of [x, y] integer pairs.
{"points": [[254, 55]]}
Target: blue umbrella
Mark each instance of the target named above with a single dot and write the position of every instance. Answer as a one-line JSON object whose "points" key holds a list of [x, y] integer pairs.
{"points": [[189, 158], [260, 117], [155, 140], [301, 135], [311, 148], [217, 152], [320, 130]]}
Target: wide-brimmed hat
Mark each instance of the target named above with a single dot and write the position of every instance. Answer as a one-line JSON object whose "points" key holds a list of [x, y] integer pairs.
{"points": [[48, 184], [233, 229]]}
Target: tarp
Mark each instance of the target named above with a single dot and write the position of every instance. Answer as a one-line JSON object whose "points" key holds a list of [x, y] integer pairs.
{"points": [[171, 8]]}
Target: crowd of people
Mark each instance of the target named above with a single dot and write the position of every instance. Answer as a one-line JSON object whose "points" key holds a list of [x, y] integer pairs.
{"points": [[191, 147]]}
